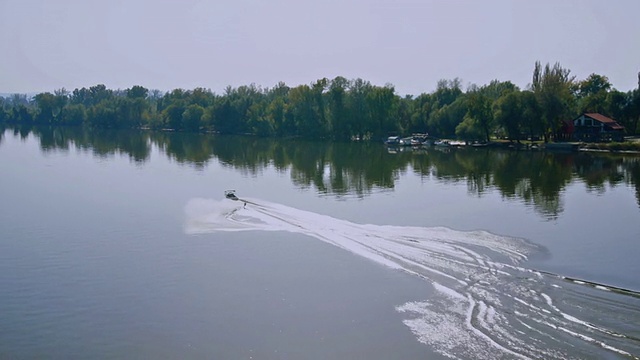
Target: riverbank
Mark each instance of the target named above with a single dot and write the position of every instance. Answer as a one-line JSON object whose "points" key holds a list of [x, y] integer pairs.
{"points": [[631, 146]]}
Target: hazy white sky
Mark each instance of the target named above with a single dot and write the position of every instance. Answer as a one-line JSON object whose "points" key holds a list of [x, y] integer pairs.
{"points": [[163, 44]]}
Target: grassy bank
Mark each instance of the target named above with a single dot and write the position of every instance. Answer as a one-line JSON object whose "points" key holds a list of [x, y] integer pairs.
{"points": [[613, 146]]}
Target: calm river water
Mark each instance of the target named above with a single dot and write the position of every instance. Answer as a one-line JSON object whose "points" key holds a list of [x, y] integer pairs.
{"points": [[122, 245]]}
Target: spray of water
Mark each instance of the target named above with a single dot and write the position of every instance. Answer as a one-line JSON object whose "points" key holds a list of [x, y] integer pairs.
{"points": [[487, 304]]}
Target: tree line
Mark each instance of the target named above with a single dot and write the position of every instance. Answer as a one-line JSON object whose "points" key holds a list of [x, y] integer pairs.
{"points": [[341, 109]]}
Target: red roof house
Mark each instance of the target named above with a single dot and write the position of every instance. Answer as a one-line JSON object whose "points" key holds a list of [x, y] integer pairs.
{"points": [[596, 127]]}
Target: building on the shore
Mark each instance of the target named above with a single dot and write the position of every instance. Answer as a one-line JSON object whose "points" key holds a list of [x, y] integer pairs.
{"points": [[593, 127]]}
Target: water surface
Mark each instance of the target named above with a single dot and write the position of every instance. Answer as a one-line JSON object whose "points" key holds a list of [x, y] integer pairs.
{"points": [[120, 244]]}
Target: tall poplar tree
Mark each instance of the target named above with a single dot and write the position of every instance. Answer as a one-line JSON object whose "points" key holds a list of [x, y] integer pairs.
{"points": [[552, 88]]}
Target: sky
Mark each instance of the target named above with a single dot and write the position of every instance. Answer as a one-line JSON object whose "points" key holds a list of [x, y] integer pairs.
{"points": [[411, 44]]}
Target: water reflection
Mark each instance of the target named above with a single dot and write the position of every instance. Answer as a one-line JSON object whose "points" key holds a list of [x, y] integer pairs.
{"points": [[537, 178], [356, 169]]}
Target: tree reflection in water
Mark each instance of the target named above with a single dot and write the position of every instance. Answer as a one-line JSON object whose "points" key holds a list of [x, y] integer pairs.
{"points": [[356, 169]]}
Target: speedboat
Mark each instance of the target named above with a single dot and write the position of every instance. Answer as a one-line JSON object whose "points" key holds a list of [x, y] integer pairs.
{"points": [[392, 140], [230, 194]]}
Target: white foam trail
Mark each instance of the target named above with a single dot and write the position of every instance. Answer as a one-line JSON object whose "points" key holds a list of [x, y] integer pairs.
{"points": [[485, 306]]}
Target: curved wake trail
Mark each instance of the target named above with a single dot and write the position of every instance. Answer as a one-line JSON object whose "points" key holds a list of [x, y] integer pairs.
{"points": [[486, 305]]}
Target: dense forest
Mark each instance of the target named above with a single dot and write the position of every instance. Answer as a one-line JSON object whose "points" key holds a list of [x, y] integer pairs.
{"points": [[341, 109]]}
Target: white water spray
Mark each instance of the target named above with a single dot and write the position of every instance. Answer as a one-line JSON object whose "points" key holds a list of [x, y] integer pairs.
{"points": [[486, 304]]}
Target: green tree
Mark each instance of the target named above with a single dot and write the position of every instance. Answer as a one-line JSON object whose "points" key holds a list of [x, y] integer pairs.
{"points": [[444, 120], [103, 115], [275, 114], [192, 117], [339, 118], [479, 114], [319, 107], [592, 94], [552, 88], [447, 108], [532, 121], [258, 121], [469, 129], [172, 115], [47, 105], [19, 99], [592, 85], [508, 113], [226, 118], [447, 91], [50, 106], [137, 92], [358, 106], [404, 116], [99, 93], [20, 114], [74, 114], [302, 110], [381, 103], [81, 96], [423, 106], [202, 97]]}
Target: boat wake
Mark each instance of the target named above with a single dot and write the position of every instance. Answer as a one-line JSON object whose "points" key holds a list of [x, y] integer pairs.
{"points": [[487, 304]]}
